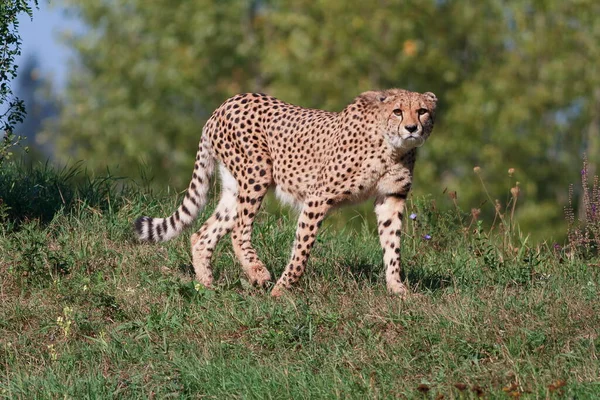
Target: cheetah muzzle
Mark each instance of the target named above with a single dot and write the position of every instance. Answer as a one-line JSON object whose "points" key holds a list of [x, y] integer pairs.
{"points": [[315, 159]]}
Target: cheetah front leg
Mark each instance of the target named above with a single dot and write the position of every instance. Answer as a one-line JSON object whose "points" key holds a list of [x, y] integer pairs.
{"points": [[310, 219], [389, 210]]}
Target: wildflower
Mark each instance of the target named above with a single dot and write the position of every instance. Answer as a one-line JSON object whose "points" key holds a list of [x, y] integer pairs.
{"points": [[453, 194], [557, 247], [583, 172], [413, 216], [477, 169], [427, 237], [52, 352], [511, 171], [515, 191], [475, 212]]}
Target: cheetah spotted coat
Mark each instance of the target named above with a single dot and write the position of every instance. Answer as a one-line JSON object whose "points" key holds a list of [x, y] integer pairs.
{"points": [[315, 159]]}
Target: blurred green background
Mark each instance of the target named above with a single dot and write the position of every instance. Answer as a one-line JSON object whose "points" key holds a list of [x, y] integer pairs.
{"points": [[518, 83]]}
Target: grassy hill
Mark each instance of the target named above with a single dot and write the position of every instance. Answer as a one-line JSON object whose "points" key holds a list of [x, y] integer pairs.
{"points": [[86, 312]]}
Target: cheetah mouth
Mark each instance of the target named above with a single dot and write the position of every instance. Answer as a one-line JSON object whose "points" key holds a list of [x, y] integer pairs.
{"points": [[406, 142], [413, 141]]}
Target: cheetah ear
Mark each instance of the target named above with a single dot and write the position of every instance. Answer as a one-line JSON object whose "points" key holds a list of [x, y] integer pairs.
{"points": [[430, 96], [384, 98], [375, 97]]}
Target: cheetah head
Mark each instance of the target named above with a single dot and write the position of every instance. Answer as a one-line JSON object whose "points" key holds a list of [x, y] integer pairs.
{"points": [[405, 118]]}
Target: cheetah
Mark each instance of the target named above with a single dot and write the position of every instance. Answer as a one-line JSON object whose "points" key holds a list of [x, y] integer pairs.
{"points": [[315, 159]]}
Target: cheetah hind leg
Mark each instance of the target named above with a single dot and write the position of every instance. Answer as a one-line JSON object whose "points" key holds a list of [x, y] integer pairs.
{"points": [[253, 189], [220, 223]]}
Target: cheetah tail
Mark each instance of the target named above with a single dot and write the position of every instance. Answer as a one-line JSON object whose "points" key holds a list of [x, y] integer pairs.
{"points": [[162, 229]]}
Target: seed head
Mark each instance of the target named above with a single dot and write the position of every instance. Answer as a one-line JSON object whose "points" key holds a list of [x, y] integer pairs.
{"points": [[515, 191], [498, 205]]}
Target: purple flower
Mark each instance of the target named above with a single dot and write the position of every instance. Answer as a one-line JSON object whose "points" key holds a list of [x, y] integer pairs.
{"points": [[556, 246], [427, 237], [583, 171], [413, 216]]}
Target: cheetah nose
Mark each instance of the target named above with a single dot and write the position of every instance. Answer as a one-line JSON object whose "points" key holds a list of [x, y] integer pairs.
{"points": [[411, 128]]}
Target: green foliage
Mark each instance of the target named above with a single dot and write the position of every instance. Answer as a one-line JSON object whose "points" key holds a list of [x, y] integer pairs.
{"points": [[170, 67], [39, 262], [517, 82], [39, 192], [88, 313], [12, 110]]}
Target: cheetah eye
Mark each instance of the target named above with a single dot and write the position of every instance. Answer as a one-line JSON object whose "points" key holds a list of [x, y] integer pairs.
{"points": [[422, 111], [398, 112]]}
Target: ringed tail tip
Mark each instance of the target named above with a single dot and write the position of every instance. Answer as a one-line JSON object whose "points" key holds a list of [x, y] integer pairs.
{"points": [[143, 235]]}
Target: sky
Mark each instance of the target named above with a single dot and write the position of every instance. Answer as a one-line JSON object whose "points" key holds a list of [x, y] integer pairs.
{"points": [[41, 37]]}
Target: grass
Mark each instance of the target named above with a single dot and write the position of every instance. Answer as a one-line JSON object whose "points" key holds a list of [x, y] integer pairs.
{"points": [[86, 312]]}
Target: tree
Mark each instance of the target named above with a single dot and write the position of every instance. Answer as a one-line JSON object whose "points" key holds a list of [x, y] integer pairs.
{"points": [[516, 81], [35, 91], [12, 110], [150, 74]]}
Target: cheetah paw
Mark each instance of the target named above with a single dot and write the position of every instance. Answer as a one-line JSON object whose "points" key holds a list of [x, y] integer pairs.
{"points": [[204, 281], [258, 275], [398, 289], [277, 291]]}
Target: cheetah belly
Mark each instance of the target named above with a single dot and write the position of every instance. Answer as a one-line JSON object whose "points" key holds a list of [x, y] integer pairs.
{"points": [[287, 198]]}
